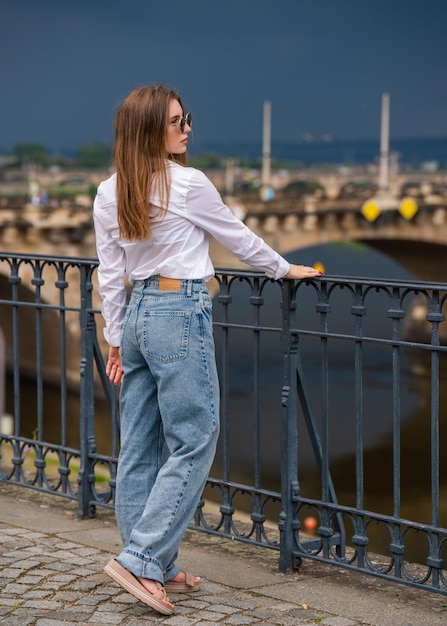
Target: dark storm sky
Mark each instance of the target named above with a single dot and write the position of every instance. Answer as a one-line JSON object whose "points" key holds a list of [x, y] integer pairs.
{"points": [[324, 64]]}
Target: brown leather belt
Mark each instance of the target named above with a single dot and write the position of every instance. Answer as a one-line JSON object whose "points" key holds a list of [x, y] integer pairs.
{"points": [[169, 284]]}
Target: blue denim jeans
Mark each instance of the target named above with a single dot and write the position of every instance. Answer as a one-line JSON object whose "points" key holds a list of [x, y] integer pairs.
{"points": [[169, 422]]}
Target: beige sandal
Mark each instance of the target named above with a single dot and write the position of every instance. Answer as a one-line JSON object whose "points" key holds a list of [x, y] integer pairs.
{"points": [[157, 601], [189, 585]]}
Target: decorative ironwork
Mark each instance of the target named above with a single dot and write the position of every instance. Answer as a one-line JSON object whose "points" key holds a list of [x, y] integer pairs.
{"points": [[314, 459]]}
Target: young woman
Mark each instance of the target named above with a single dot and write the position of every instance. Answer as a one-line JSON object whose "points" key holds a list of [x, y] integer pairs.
{"points": [[152, 221]]}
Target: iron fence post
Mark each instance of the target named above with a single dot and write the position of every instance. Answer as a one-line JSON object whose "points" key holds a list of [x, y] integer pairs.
{"points": [[87, 444], [289, 433]]}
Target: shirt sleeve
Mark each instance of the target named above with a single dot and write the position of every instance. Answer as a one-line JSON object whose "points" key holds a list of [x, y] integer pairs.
{"points": [[111, 273], [206, 209]]}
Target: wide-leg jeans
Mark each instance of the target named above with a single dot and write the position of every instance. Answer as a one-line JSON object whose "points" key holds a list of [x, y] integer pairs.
{"points": [[169, 422]]}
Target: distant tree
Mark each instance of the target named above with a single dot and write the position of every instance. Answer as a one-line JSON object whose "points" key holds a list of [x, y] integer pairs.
{"points": [[94, 155], [206, 161], [28, 152], [60, 160]]}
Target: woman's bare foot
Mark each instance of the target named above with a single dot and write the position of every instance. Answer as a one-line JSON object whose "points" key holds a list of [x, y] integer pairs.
{"points": [[154, 588], [181, 578], [184, 582]]}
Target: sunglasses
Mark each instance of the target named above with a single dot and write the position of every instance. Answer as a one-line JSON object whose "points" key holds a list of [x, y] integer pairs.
{"points": [[182, 121]]}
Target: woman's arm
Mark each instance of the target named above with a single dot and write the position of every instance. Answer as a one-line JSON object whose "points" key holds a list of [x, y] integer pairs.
{"points": [[206, 209]]}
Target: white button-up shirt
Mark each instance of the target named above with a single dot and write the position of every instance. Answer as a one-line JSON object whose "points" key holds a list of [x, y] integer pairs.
{"points": [[178, 245]]}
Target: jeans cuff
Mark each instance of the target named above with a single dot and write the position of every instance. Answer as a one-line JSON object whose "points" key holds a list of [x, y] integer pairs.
{"points": [[172, 572], [141, 565]]}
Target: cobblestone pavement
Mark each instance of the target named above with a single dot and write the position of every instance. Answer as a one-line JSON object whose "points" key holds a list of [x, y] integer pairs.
{"points": [[51, 573], [47, 581]]}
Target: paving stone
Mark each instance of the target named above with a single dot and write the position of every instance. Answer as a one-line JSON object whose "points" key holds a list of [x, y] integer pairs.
{"points": [[55, 622], [70, 615], [13, 620], [84, 572], [11, 572], [60, 566], [240, 620], [92, 600], [63, 579], [181, 620], [85, 585], [86, 552], [25, 564], [225, 609], [13, 531], [46, 605], [10, 601], [36, 594], [106, 617], [339, 621], [34, 535], [26, 613], [293, 621], [209, 615], [196, 604], [31, 579], [13, 589]]}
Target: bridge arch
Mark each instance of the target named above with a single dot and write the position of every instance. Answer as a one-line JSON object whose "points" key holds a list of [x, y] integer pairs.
{"points": [[425, 260], [419, 245]]}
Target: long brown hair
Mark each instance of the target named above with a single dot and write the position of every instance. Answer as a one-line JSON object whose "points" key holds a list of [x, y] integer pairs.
{"points": [[140, 157]]}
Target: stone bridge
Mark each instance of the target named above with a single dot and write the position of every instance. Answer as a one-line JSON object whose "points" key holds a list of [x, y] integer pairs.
{"points": [[419, 244]]}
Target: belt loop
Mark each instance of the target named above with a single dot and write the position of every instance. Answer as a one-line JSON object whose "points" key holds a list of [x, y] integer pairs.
{"points": [[189, 289]]}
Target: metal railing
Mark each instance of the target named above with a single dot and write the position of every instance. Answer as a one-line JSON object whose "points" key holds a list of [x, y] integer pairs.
{"points": [[332, 412]]}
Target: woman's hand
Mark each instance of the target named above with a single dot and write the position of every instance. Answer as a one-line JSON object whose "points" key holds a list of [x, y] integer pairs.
{"points": [[299, 272], [113, 367]]}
